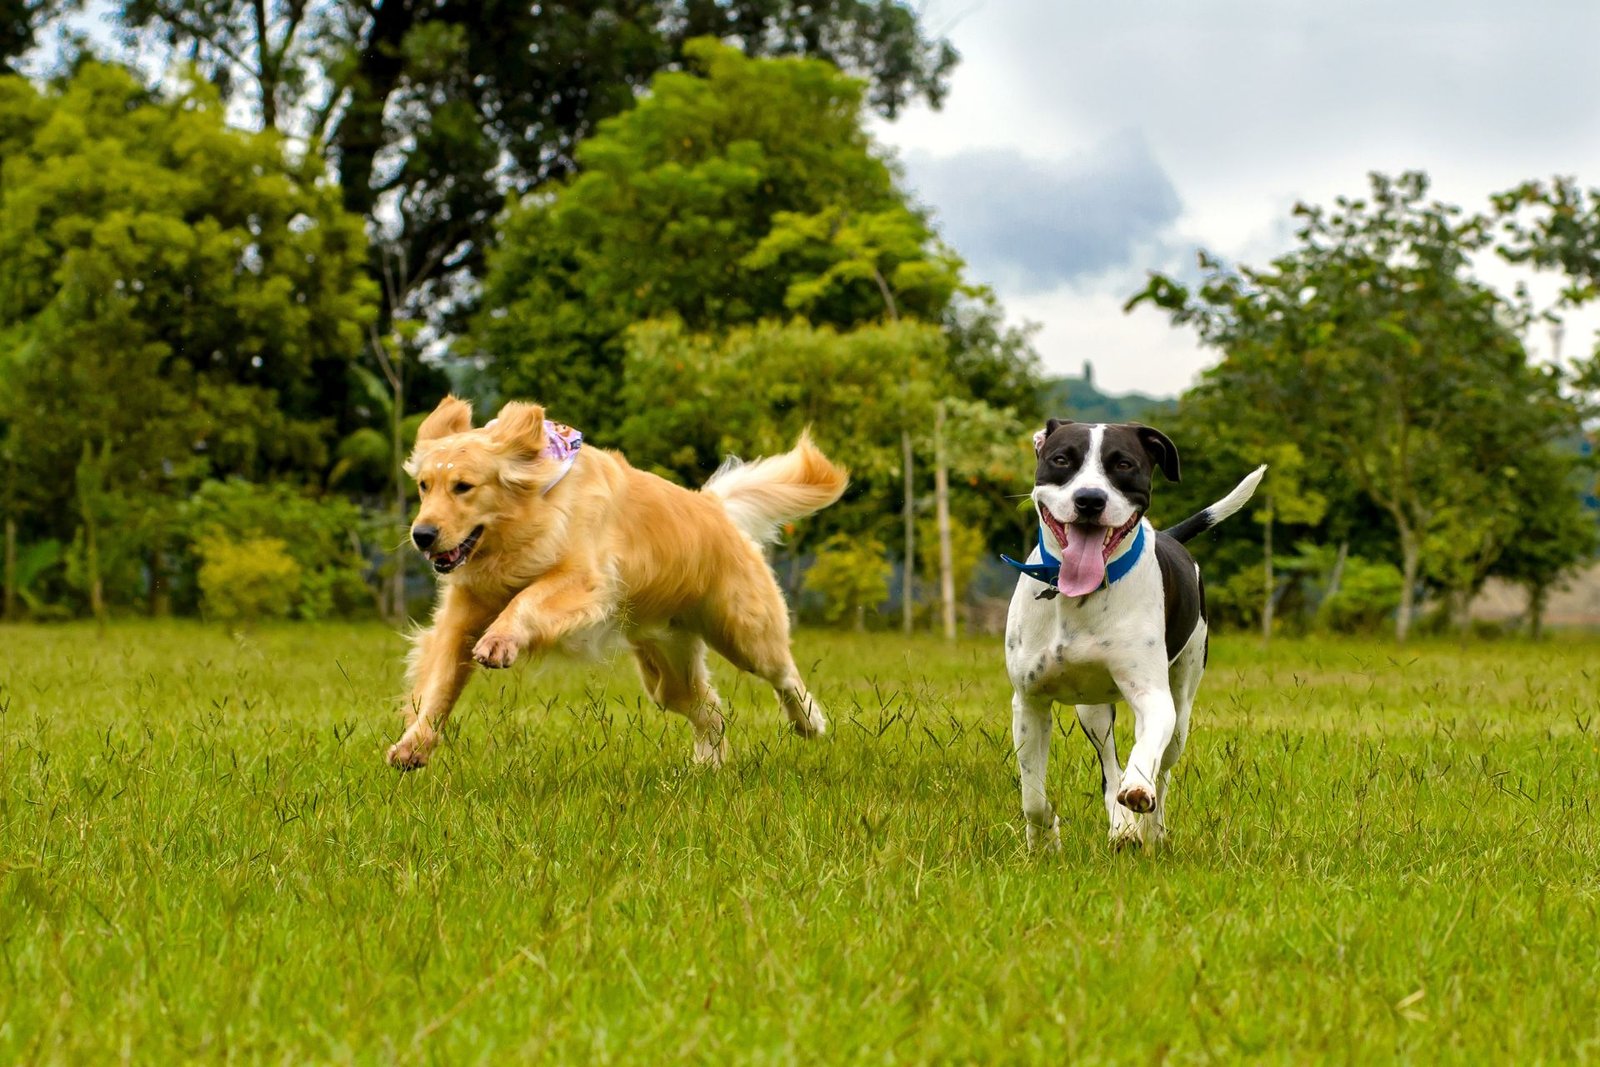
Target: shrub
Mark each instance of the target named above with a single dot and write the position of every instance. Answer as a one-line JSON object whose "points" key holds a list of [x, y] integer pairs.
{"points": [[967, 547], [1237, 601], [1369, 594], [851, 575], [37, 564], [247, 581], [321, 536]]}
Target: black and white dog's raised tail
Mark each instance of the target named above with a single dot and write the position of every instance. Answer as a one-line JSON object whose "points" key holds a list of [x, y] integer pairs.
{"points": [[1201, 521]]}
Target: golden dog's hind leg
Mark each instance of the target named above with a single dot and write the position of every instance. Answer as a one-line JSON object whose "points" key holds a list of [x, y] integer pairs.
{"points": [[441, 663], [751, 631], [675, 675]]}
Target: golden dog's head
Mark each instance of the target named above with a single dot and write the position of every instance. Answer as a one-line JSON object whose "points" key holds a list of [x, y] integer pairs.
{"points": [[472, 479]]}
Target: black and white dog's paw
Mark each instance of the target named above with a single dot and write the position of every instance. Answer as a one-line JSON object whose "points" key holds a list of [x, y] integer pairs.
{"points": [[1045, 839]]}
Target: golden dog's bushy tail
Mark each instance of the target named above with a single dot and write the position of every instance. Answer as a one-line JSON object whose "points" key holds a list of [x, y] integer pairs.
{"points": [[761, 496]]}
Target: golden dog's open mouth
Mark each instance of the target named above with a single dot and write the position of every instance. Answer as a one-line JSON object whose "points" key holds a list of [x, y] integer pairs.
{"points": [[446, 561]]}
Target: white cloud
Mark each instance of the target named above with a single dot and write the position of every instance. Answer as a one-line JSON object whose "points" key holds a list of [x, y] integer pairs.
{"points": [[1031, 224], [1243, 107]]}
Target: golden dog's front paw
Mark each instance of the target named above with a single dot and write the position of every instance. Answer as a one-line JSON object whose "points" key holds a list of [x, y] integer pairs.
{"points": [[495, 650], [411, 752]]}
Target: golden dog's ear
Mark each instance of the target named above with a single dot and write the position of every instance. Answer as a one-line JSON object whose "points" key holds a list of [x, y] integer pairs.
{"points": [[520, 427], [453, 415]]}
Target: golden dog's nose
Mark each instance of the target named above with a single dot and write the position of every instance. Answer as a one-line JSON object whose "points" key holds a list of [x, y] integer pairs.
{"points": [[424, 536]]}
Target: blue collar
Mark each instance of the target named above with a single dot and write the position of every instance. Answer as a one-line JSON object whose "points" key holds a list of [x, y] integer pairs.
{"points": [[1048, 569]]}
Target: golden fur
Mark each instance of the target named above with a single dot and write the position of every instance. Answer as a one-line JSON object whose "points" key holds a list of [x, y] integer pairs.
{"points": [[607, 550]]}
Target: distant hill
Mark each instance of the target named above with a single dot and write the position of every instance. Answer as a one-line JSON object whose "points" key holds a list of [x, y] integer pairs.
{"points": [[1081, 400]]}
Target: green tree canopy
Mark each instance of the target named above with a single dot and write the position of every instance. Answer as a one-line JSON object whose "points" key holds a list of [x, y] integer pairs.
{"points": [[433, 110], [173, 294], [18, 19], [1372, 348], [690, 400], [745, 190]]}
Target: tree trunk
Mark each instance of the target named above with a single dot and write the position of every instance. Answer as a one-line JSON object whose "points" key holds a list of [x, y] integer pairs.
{"points": [[269, 61], [89, 481], [1336, 576], [397, 579], [360, 135], [1461, 609], [91, 560], [393, 369], [1538, 596], [941, 503], [160, 601], [9, 611], [1266, 601], [908, 602], [1410, 563]]}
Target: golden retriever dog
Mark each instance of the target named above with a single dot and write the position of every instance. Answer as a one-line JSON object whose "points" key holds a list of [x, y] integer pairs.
{"points": [[541, 544]]}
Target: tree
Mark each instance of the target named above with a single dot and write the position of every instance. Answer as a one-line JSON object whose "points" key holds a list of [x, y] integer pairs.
{"points": [[851, 575], [752, 390], [1290, 499], [1549, 540], [829, 254], [1554, 226], [175, 293], [691, 399], [433, 111], [1374, 351], [727, 196], [18, 21], [1291, 496]]}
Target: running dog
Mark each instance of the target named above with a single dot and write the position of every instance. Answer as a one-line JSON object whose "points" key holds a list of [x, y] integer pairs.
{"points": [[1107, 609], [542, 544]]}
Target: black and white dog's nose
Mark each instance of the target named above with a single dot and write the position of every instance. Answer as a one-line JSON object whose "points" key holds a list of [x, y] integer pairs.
{"points": [[1089, 502], [424, 536]]}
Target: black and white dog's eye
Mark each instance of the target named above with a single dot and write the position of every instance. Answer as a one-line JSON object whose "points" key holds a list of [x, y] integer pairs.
{"points": [[1123, 465], [1059, 460], [460, 487]]}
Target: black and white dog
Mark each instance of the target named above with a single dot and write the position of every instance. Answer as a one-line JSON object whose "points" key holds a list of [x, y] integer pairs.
{"points": [[1108, 609]]}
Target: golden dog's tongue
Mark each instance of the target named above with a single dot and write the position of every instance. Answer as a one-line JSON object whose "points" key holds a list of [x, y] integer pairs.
{"points": [[1083, 561]]}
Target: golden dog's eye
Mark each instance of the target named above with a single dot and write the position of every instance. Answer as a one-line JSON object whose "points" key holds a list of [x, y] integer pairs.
{"points": [[460, 487], [423, 486]]}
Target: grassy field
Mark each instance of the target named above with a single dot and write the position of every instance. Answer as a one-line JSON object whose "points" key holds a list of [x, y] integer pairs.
{"points": [[1378, 855]]}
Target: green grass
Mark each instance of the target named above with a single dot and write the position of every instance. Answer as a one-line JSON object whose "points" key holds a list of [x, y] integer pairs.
{"points": [[1378, 855]]}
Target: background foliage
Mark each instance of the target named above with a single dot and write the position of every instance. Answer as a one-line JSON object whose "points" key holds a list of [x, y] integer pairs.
{"points": [[668, 223]]}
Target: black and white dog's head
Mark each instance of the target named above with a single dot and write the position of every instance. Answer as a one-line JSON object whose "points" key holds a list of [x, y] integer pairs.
{"points": [[1091, 488]]}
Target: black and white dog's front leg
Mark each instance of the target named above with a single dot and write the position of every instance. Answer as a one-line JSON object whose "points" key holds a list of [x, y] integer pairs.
{"points": [[1098, 722], [1155, 720], [1031, 722]]}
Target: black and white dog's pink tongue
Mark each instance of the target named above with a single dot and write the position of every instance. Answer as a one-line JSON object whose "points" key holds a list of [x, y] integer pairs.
{"points": [[1083, 561]]}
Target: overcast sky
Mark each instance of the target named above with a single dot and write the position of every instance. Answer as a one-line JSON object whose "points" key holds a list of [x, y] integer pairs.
{"points": [[1084, 144]]}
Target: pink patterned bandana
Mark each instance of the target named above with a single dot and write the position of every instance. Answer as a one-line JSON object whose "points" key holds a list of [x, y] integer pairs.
{"points": [[561, 444]]}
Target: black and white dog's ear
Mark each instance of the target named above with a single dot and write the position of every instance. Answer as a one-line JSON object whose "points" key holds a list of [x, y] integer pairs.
{"points": [[1162, 452], [1050, 427]]}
